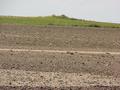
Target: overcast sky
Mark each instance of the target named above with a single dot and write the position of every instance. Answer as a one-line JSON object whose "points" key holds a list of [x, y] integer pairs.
{"points": [[99, 10]]}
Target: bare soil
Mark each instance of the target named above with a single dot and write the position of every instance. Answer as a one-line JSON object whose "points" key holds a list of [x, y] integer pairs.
{"points": [[65, 38], [63, 88], [60, 38], [60, 62]]}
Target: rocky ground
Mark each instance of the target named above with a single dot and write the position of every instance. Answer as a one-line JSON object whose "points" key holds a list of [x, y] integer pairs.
{"points": [[72, 58]]}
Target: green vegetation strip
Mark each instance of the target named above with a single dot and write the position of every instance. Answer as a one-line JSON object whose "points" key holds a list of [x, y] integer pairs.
{"points": [[54, 20]]}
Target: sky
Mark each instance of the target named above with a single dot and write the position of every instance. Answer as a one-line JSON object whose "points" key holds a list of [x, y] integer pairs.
{"points": [[98, 10]]}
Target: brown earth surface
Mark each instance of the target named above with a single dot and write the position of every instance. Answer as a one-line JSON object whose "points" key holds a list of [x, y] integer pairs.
{"points": [[103, 64], [59, 38], [65, 38], [63, 88]]}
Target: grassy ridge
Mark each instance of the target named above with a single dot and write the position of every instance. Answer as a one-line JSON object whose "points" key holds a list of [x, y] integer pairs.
{"points": [[54, 20]]}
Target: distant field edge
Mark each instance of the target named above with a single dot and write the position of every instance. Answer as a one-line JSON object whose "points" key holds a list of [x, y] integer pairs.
{"points": [[55, 21]]}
